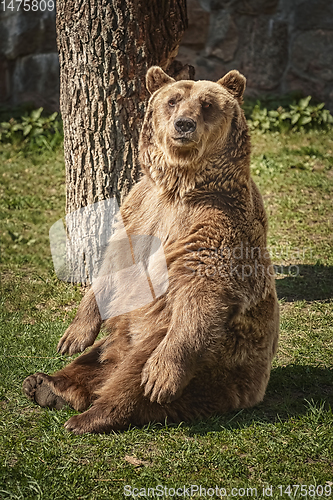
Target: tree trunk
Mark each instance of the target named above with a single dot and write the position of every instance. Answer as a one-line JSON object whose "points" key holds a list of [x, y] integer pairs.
{"points": [[105, 48]]}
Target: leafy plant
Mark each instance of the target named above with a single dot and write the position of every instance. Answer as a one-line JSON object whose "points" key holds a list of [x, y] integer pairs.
{"points": [[297, 116], [8, 130], [33, 130]]}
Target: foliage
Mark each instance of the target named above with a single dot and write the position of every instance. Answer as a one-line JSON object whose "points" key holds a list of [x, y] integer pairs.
{"points": [[299, 115], [33, 130]]}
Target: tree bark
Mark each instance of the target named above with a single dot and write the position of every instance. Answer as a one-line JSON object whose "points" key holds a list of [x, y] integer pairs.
{"points": [[105, 48]]}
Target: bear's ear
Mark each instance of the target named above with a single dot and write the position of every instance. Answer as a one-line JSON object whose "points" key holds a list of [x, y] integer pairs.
{"points": [[156, 78], [235, 83]]}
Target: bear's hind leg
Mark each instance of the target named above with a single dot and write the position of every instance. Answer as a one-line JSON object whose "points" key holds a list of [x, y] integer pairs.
{"points": [[37, 390], [74, 385], [120, 401]]}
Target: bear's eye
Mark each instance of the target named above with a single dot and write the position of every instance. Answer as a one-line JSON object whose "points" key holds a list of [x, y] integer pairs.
{"points": [[206, 105], [172, 103]]}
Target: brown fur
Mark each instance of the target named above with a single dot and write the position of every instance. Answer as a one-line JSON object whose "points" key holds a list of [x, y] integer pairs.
{"points": [[206, 345]]}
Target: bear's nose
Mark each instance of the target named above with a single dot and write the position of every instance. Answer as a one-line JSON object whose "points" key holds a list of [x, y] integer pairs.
{"points": [[184, 125]]}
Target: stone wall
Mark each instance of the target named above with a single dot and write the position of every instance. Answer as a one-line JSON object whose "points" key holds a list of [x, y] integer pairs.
{"points": [[279, 45], [29, 67]]}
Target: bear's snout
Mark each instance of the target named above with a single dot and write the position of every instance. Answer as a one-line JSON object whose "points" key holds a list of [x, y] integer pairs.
{"points": [[185, 125]]}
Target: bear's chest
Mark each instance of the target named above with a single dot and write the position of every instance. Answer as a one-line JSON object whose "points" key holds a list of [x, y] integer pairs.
{"points": [[162, 219]]}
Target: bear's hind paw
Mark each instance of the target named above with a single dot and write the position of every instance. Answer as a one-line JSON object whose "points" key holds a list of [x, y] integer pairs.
{"points": [[37, 389], [88, 422]]}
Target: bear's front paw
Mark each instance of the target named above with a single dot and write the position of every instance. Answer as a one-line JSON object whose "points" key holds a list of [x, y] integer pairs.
{"points": [[75, 340], [163, 379]]}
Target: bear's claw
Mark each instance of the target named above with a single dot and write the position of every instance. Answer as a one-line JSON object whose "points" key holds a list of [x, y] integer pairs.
{"points": [[163, 382], [73, 342]]}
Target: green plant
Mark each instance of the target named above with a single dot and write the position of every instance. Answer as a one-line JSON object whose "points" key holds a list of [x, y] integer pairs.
{"points": [[33, 130], [297, 116]]}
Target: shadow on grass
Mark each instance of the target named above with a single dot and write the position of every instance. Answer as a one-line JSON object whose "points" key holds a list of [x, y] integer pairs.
{"points": [[311, 283], [292, 390]]}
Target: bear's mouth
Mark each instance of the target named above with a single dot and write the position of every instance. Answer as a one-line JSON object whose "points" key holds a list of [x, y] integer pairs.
{"points": [[184, 140]]}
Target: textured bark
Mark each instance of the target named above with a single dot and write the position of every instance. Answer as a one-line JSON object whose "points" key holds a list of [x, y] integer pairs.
{"points": [[105, 48]]}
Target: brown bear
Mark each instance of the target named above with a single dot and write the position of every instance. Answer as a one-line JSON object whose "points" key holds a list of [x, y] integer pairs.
{"points": [[205, 346]]}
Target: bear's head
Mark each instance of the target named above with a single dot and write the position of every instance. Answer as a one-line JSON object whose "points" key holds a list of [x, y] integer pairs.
{"points": [[192, 130]]}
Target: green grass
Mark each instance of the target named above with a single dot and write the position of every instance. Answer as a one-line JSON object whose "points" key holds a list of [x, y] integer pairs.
{"points": [[287, 439]]}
